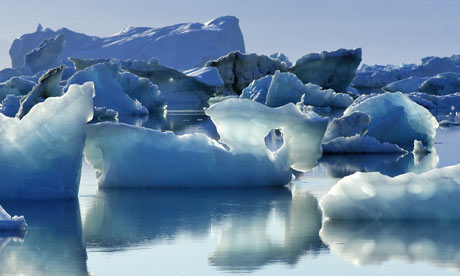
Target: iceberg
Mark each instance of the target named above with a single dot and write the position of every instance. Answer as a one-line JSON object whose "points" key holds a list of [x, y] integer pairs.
{"points": [[17, 86], [45, 55], [240, 158], [281, 57], [48, 86], [41, 154], [335, 69], [284, 87], [431, 195], [378, 76], [181, 46], [441, 84], [411, 84], [121, 91], [359, 144], [8, 73], [394, 118], [238, 70], [206, 75], [9, 223]]}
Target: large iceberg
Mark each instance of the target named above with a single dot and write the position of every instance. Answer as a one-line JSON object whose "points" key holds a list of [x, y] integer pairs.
{"points": [[394, 118], [335, 69], [121, 91], [7, 222], [238, 70], [41, 154], [240, 158], [373, 196], [181, 46], [284, 87]]}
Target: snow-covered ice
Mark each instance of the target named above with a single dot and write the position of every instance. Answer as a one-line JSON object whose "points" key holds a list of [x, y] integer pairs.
{"points": [[335, 69], [411, 84], [41, 154], [181, 46], [207, 75], [441, 84], [410, 196]]}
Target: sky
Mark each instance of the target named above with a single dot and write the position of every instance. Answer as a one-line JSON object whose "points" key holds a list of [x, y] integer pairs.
{"points": [[389, 31]]}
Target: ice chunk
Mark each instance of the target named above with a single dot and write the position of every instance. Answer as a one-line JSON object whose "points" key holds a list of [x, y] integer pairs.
{"points": [[207, 75], [396, 119], [45, 55], [411, 84], [284, 88], [181, 46], [48, 86], [257, 90], [15, 86], [281, 57], [442, 84], [243, 124], [180, 91], [334, 69], [238, 70], [123, 92], [41, 153], [372, 196], [8, 73], [11, 223], [11, 105], [162, 159]]}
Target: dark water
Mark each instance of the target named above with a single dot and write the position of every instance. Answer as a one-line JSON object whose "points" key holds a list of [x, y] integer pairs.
{"points": [[246, 231]]}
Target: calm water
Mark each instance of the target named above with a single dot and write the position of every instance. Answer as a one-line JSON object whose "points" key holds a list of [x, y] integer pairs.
{"points": [[226, 231]]}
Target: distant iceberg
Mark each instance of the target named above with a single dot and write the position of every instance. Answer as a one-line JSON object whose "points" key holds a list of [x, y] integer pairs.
{"points": [[9, 223], [181, 46]]}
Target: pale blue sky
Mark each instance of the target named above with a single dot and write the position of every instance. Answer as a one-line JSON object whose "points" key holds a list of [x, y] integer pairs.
{"points": [[391, 31]]}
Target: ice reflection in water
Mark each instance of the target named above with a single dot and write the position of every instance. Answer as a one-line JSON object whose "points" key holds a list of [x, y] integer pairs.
{"points": [[255, 226], [53, 244], [373, 243]]}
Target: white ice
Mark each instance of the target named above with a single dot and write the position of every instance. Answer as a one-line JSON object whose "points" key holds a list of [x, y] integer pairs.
{"points": [[410, 196], [181, 46], [207, 75]]}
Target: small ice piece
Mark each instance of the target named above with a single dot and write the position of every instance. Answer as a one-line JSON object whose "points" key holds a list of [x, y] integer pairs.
{"points": [[281, 57], [121, 91], [41, 154], [333, 70], [419, 148], [8, 223], [105, 114], [238, 70], [410, 196], [207, 75], [396, 119]]}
